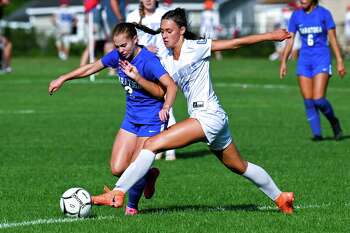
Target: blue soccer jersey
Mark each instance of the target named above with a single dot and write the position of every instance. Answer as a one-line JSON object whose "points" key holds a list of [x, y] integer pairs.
{"points": [[141, 107], [313, 27]]}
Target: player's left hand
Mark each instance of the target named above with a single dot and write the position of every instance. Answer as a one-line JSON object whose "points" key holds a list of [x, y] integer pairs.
{"points": [[164, 113], [280, 35], [129, 69], [341, 69]]}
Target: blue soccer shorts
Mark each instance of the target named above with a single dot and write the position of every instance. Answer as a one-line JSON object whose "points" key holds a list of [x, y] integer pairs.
{"points": [[142, 130]]}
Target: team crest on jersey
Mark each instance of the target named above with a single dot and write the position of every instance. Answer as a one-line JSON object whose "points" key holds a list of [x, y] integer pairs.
{"points": [[202, 41]]}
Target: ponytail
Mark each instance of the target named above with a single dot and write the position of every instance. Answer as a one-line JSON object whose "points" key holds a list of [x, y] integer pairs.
{"points": [[178, 15]]}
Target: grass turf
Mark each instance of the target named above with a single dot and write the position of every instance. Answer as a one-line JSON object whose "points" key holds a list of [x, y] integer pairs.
{"points": [[51, 143]]}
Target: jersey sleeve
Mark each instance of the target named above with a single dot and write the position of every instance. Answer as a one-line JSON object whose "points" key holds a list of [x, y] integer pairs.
{"points": [[329, 20], [111, 59], [292, 26], [202, 48], [154, 69]]}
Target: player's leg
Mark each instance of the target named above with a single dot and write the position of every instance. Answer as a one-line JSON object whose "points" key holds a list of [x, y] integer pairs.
{"points": [[319, 95], [306, 89], [170, 154], [135, 192], [122, 151], [179, 135], [7, 55], [231, 158]]}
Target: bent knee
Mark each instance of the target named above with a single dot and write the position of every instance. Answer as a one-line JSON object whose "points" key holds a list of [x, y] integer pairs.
{"points": [[117, 170], [151, 144]]}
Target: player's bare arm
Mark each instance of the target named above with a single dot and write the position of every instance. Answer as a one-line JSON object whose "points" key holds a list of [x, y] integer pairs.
{"points": [[80, 72], [132, 72], [335, 47], [278, 35], [285, 55]]}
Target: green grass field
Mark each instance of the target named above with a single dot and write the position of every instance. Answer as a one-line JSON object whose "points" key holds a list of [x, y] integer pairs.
{"points": [[51, 143]]}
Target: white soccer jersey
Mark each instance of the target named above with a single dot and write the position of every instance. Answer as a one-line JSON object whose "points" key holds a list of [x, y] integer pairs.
{"points": [[150, 21], [191, 74]]}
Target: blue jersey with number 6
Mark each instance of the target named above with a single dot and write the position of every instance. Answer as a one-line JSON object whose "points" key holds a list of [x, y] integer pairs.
{"points": [[141, 106], [313, 27]]}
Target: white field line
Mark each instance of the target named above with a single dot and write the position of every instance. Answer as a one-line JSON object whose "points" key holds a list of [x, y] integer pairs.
{"points": [[47, 221], [23, 111], [216, 84]]}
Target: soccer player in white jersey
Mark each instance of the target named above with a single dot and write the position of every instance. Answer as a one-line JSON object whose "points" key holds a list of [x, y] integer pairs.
{"points": [[187, 62], [150, 14]]}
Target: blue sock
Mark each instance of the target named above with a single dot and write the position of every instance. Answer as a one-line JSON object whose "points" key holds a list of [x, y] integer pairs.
{"points": [[313, 117], [135, 193], [326, 108]]}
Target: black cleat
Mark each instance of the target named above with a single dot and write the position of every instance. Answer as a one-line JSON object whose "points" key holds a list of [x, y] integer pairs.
{"points": [[338, 132], [317, 138]]}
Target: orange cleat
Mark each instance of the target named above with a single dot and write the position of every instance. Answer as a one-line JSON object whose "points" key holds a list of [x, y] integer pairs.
{"points": [[285, 202], [151, 179], [114, 198]]}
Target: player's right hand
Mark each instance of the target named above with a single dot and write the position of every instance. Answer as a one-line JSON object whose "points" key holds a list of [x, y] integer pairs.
{"points": [[283, 70], [55, 85]]}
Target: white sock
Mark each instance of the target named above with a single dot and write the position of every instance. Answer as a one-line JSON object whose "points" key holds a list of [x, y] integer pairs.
{"points": [[135, 171], [262, 180]]}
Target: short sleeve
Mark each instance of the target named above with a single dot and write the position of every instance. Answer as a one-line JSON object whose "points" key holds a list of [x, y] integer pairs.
{"points": [[329, 20], [292, 26], [154, 69], [202, 48], [111, 59]]}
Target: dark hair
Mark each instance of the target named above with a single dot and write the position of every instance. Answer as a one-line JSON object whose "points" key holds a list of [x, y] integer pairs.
{"points": [[178, 15], [142, 10], [315, 2], [127, 28]]}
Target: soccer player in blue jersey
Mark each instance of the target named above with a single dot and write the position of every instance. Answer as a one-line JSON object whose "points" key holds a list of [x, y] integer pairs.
{"points": [[317, 29], [140, 73]]}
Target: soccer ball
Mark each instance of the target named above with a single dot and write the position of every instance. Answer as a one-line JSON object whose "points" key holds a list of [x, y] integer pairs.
{"points": [[76, 203]]}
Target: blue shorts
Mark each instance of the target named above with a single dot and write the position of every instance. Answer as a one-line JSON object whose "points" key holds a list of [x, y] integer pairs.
{"points": [[311, 65], [142, 130]]}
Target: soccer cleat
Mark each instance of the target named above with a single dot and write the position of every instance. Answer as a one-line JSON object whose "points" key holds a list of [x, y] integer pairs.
{"points": [[114, 198], [151, 179], [285, 202], [317, 138], [338, 133], [131, 211]]}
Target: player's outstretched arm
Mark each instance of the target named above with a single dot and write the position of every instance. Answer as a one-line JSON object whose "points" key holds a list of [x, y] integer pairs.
{"points": [[335, 47], [285, 55], [80, 72], [278, 35]]}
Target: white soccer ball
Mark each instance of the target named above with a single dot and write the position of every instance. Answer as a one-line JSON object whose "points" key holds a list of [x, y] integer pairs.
{"points": [[76, 203]]}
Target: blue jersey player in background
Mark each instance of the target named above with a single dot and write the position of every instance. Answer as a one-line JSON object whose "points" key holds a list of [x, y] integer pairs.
{"points": [[317, 29], [140, 73]]}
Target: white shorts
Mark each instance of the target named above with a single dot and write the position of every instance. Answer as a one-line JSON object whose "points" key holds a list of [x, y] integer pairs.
{"points": [[215, 126]]}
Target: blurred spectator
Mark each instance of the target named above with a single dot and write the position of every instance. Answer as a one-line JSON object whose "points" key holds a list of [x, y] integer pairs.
{"points": [[5, 44], [167, 4], [113, 12], [63, 20], [279, 46], [210, 23], [100, 36], [347, 32]]}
